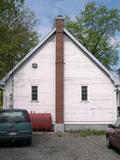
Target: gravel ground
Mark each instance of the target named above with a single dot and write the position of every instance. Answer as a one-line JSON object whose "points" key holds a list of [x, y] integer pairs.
{"points": [[51, 146]]}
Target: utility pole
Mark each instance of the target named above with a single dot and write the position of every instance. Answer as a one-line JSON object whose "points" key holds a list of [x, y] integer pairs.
{"points": [[118, 107], [1, 98], [12, 85]]}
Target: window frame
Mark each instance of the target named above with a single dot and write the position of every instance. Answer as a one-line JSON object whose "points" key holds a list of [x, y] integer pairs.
{"points": [[81, 93], [34, 94]]}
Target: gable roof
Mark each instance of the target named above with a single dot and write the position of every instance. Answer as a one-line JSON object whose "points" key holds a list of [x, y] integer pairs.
{"points": [[93, 58]]}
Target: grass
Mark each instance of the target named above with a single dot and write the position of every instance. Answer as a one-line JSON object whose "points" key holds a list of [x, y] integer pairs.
{"points": [[88, 132]]}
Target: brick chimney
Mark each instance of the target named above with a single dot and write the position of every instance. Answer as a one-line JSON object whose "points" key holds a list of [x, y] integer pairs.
{"points": [[59, 126]]}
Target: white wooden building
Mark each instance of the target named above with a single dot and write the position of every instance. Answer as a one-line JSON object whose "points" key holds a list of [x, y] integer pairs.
{"points": [[61, 77]]}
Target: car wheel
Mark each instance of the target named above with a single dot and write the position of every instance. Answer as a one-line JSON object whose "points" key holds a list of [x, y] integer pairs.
{"points": [[28, 142], [109, 145]]}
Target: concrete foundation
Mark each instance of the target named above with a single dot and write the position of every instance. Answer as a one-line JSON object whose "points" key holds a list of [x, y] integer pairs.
{"points": [[59, 127], [69, 127]]}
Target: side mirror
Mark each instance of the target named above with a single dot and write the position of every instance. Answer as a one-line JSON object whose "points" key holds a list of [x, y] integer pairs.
{"points": [[111, 126]]}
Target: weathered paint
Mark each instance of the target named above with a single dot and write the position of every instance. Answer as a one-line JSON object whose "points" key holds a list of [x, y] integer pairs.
{"points": [[79, 71]]}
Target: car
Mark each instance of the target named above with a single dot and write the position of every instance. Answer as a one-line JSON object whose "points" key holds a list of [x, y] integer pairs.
{"points": [[15, 125], [113, 135]]}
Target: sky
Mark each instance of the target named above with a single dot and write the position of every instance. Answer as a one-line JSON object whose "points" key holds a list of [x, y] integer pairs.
{"points": [[47, 10]]}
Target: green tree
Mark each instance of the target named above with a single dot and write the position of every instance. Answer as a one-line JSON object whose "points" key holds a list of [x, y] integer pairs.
{"points": [[17, 34], [95, 27]]}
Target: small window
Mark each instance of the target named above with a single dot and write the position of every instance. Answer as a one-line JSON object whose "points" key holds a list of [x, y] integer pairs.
{"points": [[84, 96], [34, 93], [34, 65]]}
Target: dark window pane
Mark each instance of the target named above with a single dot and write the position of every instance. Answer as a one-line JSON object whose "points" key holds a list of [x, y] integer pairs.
{"points": [[34, 93], [34, 96], [84, 93]]}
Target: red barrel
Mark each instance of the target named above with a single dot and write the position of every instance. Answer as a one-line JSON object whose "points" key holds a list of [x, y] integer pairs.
{"points": [[41, 121]]}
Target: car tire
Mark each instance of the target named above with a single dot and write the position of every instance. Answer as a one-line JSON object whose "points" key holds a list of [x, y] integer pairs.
{"points": [[109, 145], [28, 142]]}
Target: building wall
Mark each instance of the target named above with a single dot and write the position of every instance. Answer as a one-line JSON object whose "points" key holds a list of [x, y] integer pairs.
{"points": [[43, 77], [79, 71]]}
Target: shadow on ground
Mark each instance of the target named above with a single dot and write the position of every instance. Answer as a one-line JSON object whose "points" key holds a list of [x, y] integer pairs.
{"points": [[13, 144]]}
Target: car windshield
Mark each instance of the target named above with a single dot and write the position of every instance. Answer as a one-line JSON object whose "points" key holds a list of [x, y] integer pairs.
{"points": [[12, 116]]}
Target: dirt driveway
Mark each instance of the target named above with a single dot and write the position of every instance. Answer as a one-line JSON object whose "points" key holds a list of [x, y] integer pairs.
{"points": [[61, 147]]}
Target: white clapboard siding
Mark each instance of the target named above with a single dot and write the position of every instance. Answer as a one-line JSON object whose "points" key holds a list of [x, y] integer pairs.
{"points": [[43, 77], [80, 70]]}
